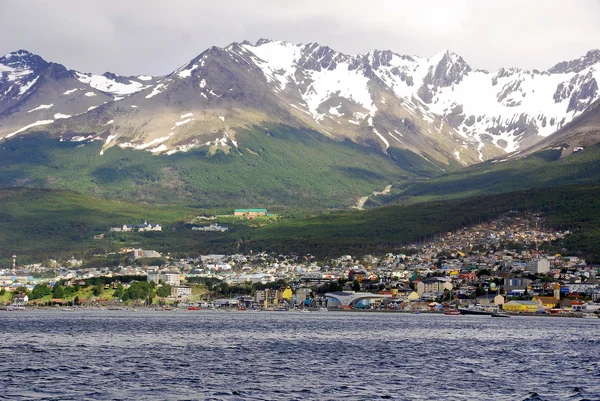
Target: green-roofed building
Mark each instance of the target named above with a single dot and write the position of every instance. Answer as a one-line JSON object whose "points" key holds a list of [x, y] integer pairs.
{"points": [[250, 213]]}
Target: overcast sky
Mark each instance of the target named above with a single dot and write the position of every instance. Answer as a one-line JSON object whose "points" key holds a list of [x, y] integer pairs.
{"points": [[154, 37]]}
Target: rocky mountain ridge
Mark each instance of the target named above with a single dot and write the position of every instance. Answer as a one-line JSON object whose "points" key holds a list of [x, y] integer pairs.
{"points": [[439, 108]]}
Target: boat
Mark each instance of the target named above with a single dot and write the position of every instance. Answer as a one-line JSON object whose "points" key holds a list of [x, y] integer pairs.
{"points": [[500, 314], [589, 316], [476, 310], [452, 312], [14, 308], [193, 308]]}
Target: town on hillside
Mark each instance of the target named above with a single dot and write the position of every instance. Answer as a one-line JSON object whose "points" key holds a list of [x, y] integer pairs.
{"points": [[490, 265]]}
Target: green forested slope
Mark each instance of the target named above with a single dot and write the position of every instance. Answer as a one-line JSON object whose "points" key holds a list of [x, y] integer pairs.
{"points": [[274, 166], [539, 170], [41, 224]]}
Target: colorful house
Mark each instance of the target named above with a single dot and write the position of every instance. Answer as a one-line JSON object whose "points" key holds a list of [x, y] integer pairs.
{"points": [[521, 306]]}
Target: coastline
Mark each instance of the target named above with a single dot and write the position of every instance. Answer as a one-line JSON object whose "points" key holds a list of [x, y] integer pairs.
{"points": [[234, 310]]}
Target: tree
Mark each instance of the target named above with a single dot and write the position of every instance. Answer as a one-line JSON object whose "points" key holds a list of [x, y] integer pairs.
{"points": [[163, 291], [355, 286], [140, 290], [98, 288], [119, 291], [58, 291], [40, 291]]}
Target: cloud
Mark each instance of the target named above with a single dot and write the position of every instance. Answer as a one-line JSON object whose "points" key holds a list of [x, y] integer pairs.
{"points": [[154, 37]]}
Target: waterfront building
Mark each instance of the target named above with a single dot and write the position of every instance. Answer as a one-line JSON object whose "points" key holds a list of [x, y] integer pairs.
{"points": [[351, 298], [302, 294], [181, 292], [546, 302], [521, 306]]}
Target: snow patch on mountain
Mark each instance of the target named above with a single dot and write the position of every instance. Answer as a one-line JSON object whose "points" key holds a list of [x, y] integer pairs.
{"points": [[385, 141], [109, 139], [25, 87], [156, 90], [341, 81], [278, 60], [105, 84], [35, 124], [41, 107], [187, 72], [179, 123], [334, 111], [152, 144]]}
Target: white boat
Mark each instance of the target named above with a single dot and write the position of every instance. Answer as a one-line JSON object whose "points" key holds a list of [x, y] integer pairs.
{"points": [[589, 316], [477, 310], [500, 314]]}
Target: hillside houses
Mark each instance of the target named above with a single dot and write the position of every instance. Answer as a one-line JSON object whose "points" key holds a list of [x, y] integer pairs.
{"points": [[137, 227], [213, 227]]}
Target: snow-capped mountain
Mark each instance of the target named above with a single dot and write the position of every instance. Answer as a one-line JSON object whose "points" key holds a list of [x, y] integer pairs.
{"points": [[35, 93], [573, 137], [437, 107]]}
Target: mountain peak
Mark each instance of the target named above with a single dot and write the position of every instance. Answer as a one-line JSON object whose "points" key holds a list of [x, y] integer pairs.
{"points": [[263, 41], [24, 61], [590, 58], [18, 53]]}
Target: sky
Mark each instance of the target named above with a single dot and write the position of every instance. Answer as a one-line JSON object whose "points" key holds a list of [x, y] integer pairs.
{"points": [[135, 37]]}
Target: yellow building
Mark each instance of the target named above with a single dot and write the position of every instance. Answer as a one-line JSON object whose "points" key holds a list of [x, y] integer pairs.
{"points": [[546, 302], [521, 306]]}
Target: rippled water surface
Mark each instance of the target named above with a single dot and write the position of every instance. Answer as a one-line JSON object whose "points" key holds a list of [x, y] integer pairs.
{"points": [[190, 355]]}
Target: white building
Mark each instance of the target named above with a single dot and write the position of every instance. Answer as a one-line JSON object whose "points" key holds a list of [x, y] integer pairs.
{"points": [[212, 227], [257, 278], [153, 277], [538, 266], [181, 292], [173, 279]]}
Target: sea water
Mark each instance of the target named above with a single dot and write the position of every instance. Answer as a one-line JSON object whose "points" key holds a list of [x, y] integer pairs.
{"points": [[204, 355]]}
